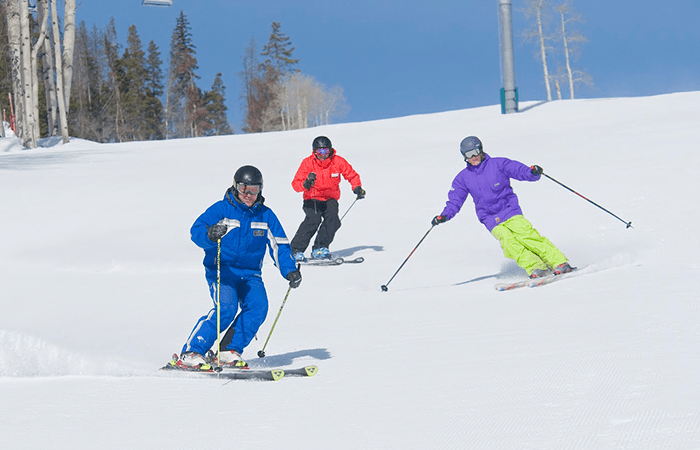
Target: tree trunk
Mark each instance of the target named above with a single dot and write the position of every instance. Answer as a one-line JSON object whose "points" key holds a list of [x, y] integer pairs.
{"points": [[543, 51], [14, 46], [59, 75], [68, 46], [566, 54], [30, 132], [50, 87], [42, 18]]}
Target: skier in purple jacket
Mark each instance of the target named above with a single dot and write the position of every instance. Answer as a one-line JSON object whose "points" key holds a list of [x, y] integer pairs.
{"points": [[488, 181]]}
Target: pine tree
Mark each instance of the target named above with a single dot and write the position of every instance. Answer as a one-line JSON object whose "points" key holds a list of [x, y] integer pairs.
{"points": [[217, 123], [154, 112], [132, 86], [264, 112], [184, 98], [87, 115], [114, 125], [278, 51]]}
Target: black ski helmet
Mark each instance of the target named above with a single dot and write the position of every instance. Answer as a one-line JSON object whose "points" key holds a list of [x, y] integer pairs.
{"points": [[321, 142], [469, 144], [248, 175]]}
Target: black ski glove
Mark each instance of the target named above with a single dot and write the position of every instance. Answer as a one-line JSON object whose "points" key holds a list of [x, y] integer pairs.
{"points": [[360, 192], [310, 181], [536, 170], [216, 232], [294, 279], [437, 220]]}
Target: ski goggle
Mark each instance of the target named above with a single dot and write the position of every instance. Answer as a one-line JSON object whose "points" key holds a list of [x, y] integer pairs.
{"points": [[252, 189], [472, 153], [322, 151]]}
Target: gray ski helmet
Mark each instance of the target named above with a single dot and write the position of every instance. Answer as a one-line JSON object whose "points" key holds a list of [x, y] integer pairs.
{"points": [[321, 142], [248, 175], [470, 146]]}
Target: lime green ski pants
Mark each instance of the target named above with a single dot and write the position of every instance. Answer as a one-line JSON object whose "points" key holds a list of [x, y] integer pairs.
{"points": [[526, 246]]}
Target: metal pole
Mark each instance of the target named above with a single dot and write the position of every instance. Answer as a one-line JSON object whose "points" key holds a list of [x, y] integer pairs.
{"points": [[629, 224], [385, 287], [510, 98]]}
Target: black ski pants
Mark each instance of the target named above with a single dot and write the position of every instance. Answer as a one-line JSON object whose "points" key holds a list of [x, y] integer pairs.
{"points": [[323, 213]]}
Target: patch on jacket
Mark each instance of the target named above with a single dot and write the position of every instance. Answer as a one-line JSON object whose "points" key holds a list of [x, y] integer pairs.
{"points": [[335, 175], [258, 232]]}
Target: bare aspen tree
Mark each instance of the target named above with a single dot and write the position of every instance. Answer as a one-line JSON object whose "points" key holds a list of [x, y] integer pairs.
{"points": [[303, 102], [558, 87], [14, 46], [570, 42], [63, 116], [68, 46], [30, 132], [50, 86], [42, 15], [333, 104], [538, 10]]}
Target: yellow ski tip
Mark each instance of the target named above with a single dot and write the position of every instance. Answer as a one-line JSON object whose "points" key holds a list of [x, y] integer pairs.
{"points": [[277, 374], [311, 370]]}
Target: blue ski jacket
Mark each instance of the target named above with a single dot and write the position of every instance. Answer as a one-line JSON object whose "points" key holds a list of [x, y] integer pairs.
{"points": [[489, 185], [250, 231]]}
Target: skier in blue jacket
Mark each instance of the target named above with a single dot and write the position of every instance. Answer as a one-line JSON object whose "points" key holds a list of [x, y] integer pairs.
{"points": [[488, 181], [244, 226]]}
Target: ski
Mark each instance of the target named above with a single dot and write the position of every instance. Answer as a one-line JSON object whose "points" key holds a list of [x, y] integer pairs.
{"points": [[306, 371], [236, 374], [552, 278], [511, 286], [208, 370], [536, 282], [331, 262]]}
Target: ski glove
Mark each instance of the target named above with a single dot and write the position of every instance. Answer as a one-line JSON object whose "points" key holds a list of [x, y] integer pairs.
{"points": [[216, 232], [536, 170], [437, 220], [310, 180], [360, 192], [294, 279]]}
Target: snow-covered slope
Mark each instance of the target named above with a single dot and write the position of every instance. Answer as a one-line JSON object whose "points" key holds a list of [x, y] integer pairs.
{"points": [[99, 284]]}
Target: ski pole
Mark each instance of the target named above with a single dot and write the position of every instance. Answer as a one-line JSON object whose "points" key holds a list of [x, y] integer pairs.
{"points": [[218, 304], [385, 287], [346, 212], [629, 224], [261, 353]]}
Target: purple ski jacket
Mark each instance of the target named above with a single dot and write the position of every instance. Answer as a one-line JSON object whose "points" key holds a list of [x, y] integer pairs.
{"points": [[489, 185]]}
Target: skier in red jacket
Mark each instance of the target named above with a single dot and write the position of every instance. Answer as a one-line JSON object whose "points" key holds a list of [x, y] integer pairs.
{"points": [[318, 177]]}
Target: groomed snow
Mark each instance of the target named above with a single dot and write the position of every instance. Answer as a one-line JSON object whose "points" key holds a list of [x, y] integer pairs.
{"points": [[100, 283]]}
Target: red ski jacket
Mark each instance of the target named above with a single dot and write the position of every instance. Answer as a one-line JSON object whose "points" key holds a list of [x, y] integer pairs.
{"points": [[328, 174]]}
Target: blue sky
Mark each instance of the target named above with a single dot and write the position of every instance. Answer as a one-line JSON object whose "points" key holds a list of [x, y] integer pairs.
{"points": [[395, 59]]}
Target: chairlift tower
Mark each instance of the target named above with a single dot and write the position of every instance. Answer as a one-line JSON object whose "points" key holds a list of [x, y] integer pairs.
{"points": [[157, 2], [509, 93]]}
